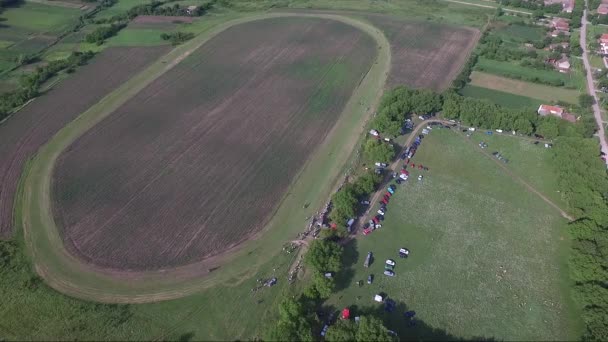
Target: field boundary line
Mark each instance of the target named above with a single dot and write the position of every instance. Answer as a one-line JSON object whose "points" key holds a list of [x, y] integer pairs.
{"points": [[486, 6], [69, 275]]}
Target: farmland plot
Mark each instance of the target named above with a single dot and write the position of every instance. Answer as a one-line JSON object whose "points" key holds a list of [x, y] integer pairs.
{"points": [[425, 54], [25, 132], [197, 162]]}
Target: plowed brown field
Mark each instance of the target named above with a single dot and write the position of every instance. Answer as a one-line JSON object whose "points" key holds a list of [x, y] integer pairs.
{"points": [[425, 54], [25, 132], [198, 161]]}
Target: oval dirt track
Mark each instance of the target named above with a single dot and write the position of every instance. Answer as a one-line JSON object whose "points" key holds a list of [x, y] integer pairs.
{"points": [[198, 161]]}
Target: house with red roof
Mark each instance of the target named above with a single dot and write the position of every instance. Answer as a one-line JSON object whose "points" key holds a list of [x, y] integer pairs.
{"points": [[545, 110], [602, 9], [604, 43]]}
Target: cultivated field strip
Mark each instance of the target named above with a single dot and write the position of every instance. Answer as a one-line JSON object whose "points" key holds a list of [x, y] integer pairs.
{"points": [[197, 161], [25, 132], [425, 54]]}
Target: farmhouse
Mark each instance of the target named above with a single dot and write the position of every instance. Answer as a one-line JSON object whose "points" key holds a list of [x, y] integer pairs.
{"points": [[190, 10], [560, 24], [558, 46], [567, 5], [563, 64], [604, 43], [557, 111], [602, 9]]}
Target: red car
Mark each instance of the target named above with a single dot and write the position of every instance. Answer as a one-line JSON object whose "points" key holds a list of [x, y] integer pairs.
{"points": [[376, 220], [367, 230], [385, 202], [387, 198]]}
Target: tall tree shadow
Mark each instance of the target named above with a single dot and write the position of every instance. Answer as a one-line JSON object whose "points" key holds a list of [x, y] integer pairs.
{"points": [[402, 320], [350, 256]]}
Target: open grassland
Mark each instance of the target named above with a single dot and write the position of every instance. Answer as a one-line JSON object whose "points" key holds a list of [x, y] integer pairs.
{"points": [[22, 134], [425, 54], [487, 257], [222, 135], [500, 97], [508, 69], [521, 88], [520, 33], [30, 27], [532, 162]]}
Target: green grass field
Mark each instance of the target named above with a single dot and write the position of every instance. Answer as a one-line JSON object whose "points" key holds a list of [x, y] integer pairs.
{"points": [[520, 33], [500, 97], [538, 92], [508, 69], [488, 258], [138, 37], [30, 27]]}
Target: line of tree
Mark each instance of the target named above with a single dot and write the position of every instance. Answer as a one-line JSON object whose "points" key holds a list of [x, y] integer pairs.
{"points": [[485, 114], [345, 202], [177, 38], [583, 181], [31, 83], [399, 104], [102, 33], [366, 330]]}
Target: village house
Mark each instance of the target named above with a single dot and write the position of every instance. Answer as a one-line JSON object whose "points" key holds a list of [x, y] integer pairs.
{"points": [[560, 24], [558, 46], [567, 5], [604, 43], [602, 9], [190, 10], [563, 64], [545, 110]]}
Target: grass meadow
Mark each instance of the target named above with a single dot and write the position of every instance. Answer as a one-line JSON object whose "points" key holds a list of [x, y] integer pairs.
{"points": [[538, 92], [499, 97], [487, 257]]}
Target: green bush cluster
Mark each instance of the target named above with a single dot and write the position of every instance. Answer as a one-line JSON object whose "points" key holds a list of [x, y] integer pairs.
{"points": [[104, 32], [345, 202], [177, 38]]}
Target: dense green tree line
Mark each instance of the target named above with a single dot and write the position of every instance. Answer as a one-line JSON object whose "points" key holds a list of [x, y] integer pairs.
{"points": [[367, 329], [177, 38], [104, 32], [485, 114], [30, 83], [584, 182], [346, 200], [399, 104]]}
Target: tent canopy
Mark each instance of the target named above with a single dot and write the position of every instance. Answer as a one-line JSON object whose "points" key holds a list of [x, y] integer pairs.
{"points": [[345, 313]]}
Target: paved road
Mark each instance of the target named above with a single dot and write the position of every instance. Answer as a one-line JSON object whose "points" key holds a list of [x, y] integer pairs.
{"points": [[591, 86]]}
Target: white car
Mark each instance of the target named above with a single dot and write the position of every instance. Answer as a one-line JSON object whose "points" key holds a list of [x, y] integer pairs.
{"points": [[420, 177], [378, 164], [324, 331], [390, 262], [499, 130], [389, 273], [403, 251], [381, 212]]}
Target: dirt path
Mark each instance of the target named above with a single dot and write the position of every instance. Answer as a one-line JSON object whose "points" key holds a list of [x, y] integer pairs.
{"points": [[487, 6], [591, 86], [516, 178]]}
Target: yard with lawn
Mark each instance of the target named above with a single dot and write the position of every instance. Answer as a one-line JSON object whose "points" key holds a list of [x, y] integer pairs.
{"points": [[536, 91], [574, 80], [500, 97], [488, 258]]}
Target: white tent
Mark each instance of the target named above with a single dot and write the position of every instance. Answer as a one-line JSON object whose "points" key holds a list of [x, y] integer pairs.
{"points": [[378, 298]]}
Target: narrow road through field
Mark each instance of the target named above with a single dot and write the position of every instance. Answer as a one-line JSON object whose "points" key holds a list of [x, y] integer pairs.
{"points": [[487, 6], [591, 86]]}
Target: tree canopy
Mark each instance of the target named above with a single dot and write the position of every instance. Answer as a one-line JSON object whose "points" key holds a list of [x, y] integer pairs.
{"points": [[368, 329], [376, 150], [324, 256]]}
